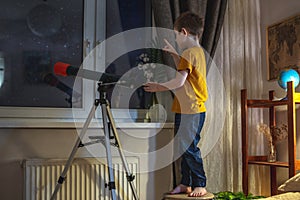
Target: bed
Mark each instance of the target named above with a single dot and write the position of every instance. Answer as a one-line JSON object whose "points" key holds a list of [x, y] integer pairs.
{"points": [[290, 189]]}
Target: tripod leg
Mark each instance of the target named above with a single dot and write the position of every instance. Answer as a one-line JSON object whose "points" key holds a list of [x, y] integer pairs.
{"points": [[73, 153], [129, 175], [111, 184]]}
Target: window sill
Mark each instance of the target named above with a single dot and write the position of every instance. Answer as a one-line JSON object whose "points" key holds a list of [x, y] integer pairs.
{"points": [[70, 123]]}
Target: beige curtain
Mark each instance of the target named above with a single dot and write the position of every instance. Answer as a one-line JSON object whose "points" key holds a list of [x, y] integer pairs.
{"points": [[238, 58]]}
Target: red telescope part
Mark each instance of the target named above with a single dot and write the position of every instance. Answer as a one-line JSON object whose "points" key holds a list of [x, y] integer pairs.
{"points": [[65, 69], [60, 68]]}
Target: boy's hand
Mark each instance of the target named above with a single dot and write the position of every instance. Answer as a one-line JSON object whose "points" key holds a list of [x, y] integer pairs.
{"points": [[151, 87], [169, 48]]}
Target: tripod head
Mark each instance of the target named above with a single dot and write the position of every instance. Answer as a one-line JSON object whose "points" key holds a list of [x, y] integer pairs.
{"points": [[103, 88]]}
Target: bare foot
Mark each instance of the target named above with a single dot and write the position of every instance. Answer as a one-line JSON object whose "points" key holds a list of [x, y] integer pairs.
{"points": [[181, 189], [198, 192]]}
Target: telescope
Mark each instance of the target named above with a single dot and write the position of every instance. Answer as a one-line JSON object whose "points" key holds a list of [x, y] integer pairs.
{"points": [[65, 69], [104, 80]]}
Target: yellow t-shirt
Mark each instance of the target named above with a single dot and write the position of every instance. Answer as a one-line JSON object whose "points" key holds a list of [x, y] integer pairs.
{"points": [[190, 98]]}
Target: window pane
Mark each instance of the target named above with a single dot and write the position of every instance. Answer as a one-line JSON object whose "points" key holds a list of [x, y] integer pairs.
{"points": [[123, 15], [34, 36]]}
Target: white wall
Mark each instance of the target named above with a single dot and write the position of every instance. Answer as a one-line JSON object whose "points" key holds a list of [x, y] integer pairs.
{"points": [[27, 143], [273, 11]]}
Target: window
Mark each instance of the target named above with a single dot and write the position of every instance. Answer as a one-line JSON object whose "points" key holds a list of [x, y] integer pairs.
{"points": [[37, 34]]}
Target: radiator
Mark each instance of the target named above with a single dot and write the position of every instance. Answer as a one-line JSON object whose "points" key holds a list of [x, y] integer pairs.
{"points": [[85, 179]]}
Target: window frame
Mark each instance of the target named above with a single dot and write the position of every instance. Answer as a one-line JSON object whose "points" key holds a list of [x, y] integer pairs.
{"points": [[94, 24]]}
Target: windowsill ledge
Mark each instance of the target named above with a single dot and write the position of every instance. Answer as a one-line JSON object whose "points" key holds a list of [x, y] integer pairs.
{"points": [[70, 123]]}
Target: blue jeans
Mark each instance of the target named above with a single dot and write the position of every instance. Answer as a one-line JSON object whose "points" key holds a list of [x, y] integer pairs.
{"points": [[187, 131]]}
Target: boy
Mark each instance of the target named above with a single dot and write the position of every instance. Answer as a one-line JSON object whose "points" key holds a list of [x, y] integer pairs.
{"points": [[190, 94]]}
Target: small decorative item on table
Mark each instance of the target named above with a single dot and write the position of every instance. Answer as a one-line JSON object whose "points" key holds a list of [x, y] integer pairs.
{"points": [[273, 135], [272, 153], [286, 76]]}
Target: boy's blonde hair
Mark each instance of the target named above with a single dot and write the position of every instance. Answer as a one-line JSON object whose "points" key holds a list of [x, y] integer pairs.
{"points": [[192, 22]]}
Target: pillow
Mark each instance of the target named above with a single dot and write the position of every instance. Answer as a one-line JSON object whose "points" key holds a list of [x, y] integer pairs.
{"points": [[291, 185]]}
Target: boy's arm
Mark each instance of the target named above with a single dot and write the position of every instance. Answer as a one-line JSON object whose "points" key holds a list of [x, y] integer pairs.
{"points": [[169, 48], [174, 83]]}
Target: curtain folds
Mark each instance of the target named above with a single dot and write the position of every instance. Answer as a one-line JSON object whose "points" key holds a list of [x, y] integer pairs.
{"points": [[213, 12], [214, 19], [238, 57], [166, 11], [232, 37]]}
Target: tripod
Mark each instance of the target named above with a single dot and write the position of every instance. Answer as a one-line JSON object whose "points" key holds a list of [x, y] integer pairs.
{"points": [[108, 124]]}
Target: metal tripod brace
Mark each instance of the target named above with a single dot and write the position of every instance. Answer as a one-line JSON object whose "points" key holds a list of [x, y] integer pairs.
{"points": [[107, 119]]}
